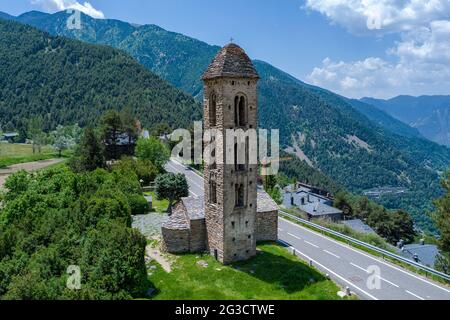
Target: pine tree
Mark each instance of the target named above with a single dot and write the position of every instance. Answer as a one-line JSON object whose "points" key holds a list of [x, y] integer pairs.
{"points": [[89, 154]]}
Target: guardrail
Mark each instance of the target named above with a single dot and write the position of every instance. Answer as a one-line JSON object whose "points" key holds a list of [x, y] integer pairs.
{"points": [[383, 252]]}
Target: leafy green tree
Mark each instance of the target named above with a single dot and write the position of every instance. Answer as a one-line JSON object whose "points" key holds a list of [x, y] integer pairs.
{"points": [[161, 129], [144, 169], [276, 195], [404, 226], [89, 153], [153, 150], [54, 218], [442, 220], [35, 126], [62, 140], [340, 201], [171, 186]]}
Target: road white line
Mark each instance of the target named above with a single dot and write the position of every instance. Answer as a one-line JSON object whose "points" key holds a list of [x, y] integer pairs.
{"points": [[279, 229], [366, 255], [294, 236], [331, 253], [414, 295], [311, 244], [381, 278], [336, 275], [387, 281], [360, 268]]}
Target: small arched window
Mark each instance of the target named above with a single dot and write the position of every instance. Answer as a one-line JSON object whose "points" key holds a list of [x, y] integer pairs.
{"points": [[236, 111], [242, 113], [213, 110]]}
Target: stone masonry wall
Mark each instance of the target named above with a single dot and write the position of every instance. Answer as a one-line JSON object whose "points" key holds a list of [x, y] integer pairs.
{"points": [[175, 241], [198, 236], [267, 226]]}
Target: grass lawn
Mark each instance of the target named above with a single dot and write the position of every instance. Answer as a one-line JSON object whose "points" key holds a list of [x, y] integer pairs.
{"points": [[274, 274], [160, 206], [20, 153]]}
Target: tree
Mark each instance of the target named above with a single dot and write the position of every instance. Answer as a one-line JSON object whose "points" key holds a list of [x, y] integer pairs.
{"points": [[171, 186], [276, 195], [341, 202], [404, 226], [144, 169], [154, 150], [111, 130], [89, 153], [130, 125], [441, 218], [62, 140], [35, 126], [161, 129]]}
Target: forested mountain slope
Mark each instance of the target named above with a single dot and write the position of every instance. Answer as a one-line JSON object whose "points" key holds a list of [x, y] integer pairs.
{"points": [[322, 128], [67, 81]]}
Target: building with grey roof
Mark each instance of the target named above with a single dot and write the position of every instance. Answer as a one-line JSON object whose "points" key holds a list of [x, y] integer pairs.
{"points": [[310, 203], [426, 254], [359, 226]]}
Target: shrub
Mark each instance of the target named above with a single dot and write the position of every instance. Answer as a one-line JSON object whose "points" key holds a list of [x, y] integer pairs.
{"points": [[138, 205]]}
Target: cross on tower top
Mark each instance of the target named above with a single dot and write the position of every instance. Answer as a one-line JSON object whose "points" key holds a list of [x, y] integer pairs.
{"points": [[231, 40]]}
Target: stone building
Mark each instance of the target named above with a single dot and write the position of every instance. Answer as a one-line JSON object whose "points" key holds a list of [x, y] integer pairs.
{"points": [[230, 102], [185, 230], [233, 217]]}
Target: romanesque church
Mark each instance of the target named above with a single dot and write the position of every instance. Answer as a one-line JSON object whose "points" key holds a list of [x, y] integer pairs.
{"points": [[234, 214]]}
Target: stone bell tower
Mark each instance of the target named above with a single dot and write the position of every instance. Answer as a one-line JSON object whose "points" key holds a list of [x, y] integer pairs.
{"points": [[230, 103]]}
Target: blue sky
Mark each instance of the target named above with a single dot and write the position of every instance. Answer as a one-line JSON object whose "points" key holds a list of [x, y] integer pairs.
{"points": [[356, 48]]}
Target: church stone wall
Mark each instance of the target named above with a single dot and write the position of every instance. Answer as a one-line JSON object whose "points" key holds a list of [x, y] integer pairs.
{"points": [[267, 226], [175, 241], [197, 236]]}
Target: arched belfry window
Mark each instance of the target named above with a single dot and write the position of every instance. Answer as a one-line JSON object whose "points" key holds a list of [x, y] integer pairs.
{"points": [[236, 111], [213, 110], [240, 111]]}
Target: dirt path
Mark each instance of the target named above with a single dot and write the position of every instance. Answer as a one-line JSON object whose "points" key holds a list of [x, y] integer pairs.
{"points": [[29, 166], [156, 255]]}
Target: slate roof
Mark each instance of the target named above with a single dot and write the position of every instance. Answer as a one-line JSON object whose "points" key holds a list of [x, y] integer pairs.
{"points": [[427, 253], [177, 220], [190, 208], [358, 225], [10, 134], [233, 62], [194, 208], [319, 209], [265, 203]]}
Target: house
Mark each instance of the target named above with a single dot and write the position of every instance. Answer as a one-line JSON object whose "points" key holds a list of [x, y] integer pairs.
{"points": [[359, 226], [313, 205], [425, 254], [9, 137]]}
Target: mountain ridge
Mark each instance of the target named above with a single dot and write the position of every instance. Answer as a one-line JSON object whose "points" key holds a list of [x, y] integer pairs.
{"points": [[430, 115], [326, 128]]}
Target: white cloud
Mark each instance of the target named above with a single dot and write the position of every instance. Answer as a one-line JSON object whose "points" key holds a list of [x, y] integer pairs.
{"points": [[419, 62], [61, 5], [381, 16]]}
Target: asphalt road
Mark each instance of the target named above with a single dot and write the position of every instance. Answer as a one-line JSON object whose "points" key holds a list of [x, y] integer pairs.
{"points": [[368, 276]]}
